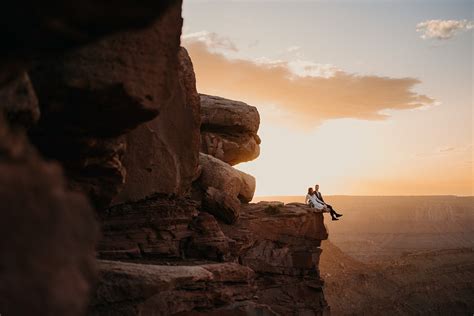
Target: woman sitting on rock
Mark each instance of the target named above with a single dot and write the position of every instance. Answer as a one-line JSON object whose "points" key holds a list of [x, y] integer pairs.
{"points": [[313, 201]]}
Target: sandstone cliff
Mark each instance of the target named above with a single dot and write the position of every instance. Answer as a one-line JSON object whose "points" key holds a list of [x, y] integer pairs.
{"points": [[100, 117]]}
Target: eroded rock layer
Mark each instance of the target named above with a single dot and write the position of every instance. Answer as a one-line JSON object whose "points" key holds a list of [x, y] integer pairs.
{"points": [[144, 289], [229, 129], [278, 245]]}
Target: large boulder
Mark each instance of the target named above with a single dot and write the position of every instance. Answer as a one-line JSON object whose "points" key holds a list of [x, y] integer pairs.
{"points": [[229, 115], [229, 129], [92, 98], [47, 235], [222, 176], [224, 188]]}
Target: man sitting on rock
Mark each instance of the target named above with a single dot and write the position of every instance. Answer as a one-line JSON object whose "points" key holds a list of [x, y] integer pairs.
{"points": [[320, 200]]}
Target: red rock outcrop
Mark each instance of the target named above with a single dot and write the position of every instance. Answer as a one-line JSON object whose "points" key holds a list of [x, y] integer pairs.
{"points": [[281, 243], [229, 129], [276, 245]]}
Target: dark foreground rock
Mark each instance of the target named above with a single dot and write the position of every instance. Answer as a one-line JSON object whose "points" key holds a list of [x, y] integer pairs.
{"points": [[47, 235], [229, 129]]}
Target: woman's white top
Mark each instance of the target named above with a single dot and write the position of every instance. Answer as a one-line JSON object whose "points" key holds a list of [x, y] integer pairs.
{"points": [[314, 201]]}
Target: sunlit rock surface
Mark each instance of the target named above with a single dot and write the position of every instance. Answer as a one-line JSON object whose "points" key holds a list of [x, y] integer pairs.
{"points": [[229, 129]]}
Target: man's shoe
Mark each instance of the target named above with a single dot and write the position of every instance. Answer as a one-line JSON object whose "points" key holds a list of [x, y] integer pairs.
{"points": [[335, 219], [338, 215]]}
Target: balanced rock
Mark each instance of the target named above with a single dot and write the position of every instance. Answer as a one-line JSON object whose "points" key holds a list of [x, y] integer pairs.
{"points": [[229, 129]]}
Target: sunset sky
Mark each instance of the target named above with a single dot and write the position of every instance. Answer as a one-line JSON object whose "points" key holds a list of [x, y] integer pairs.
{"points": [[362, 97]]}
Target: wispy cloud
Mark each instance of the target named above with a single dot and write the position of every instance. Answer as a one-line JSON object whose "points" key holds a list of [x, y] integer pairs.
{"points": [[308, 92], [443, 29], [212, 40]]}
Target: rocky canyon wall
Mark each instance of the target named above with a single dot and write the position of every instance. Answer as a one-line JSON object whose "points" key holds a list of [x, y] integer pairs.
{"points": [[105, 131]]}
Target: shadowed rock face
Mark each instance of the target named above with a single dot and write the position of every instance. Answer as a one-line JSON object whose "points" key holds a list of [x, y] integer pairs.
{"points": [[48, 235], [162, 155], [156, 227], [229, 129], [91, 98]]}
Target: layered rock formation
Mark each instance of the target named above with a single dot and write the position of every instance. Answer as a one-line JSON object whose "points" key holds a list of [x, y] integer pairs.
{"points": [[270, 255], [229, 129]]}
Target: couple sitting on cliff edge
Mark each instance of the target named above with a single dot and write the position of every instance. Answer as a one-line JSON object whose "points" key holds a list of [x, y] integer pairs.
{"points": [[315, 199]]}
